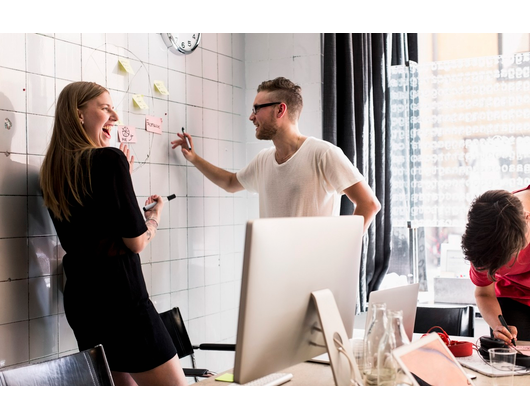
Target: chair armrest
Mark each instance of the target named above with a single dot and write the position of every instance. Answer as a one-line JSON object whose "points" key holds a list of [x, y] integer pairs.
{"points": [[216, 346], [201, 373]]}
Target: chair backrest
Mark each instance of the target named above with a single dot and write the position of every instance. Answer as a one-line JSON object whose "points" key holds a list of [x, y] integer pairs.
{"points": [[174, 323], [455, 320], [86, 368]]}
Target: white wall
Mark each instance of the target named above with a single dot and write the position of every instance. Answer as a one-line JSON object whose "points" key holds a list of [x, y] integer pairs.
{"points": [[195, 260]]}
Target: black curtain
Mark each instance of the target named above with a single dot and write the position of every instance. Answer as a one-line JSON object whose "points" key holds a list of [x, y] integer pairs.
{"points": [[355, 118]]}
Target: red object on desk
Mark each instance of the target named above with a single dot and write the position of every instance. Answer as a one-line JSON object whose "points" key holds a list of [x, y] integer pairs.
{"points": [[458, 348]]}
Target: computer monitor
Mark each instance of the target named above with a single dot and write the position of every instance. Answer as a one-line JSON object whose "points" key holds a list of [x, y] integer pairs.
{"points": [[401, 298], [285, 260]]}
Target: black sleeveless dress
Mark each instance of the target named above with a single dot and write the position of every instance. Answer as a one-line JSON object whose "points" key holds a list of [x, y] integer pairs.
{"points": [[105, 297]]}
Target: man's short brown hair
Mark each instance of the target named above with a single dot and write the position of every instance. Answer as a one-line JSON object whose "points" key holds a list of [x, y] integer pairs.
{"points": [[287, 92]]}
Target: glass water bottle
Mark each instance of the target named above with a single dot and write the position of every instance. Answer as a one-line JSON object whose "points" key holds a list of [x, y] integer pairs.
{"points": [[388, 372], [401, 339], [396, 319], [373, 336]]}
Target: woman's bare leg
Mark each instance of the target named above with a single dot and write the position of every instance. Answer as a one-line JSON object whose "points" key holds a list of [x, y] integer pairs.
{"points": [[169, 373], [123, 379]]}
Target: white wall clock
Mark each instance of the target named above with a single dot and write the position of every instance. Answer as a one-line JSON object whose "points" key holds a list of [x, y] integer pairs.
{"points": [[181, 43]]}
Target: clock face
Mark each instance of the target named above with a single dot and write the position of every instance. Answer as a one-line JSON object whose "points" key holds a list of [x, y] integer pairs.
{"points": [[181, 43]]}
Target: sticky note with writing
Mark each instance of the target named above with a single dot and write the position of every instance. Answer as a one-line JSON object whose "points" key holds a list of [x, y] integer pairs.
{"points": [[153, 124], [126, 65], [139, 101], [126, 134], [159, 85]]}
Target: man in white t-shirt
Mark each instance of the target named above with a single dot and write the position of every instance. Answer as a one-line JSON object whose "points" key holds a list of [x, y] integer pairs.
{"points": [[299, 175]]}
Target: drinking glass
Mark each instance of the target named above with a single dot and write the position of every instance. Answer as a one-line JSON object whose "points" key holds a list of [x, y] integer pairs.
{"points": [[502, 362]]}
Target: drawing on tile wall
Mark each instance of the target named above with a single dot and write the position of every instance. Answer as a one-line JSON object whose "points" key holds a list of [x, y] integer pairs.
{"points": [[132, 69]]}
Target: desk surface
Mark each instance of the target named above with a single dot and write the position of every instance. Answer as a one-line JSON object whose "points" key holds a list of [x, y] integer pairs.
{"points": [[320, 374], [304, 374]]}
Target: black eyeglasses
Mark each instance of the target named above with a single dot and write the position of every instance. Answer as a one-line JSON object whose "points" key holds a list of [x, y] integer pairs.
{"points": [[256, 108]]}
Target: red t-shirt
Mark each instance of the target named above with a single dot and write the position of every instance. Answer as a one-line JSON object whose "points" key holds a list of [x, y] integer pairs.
{"points": [[513, 281]]}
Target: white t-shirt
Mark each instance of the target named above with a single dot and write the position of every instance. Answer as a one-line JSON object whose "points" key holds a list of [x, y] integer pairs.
{"points": [[310, 183]]}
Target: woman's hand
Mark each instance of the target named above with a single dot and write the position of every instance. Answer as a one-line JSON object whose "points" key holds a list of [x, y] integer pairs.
{"points": [[130, 158], [152, 219], [156, 211]]}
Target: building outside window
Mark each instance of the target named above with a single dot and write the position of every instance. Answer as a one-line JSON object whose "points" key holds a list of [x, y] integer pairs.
{"points": [[460, 126]]}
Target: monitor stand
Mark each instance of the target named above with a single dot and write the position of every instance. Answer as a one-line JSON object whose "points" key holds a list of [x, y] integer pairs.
{"points": [[343, 365]]}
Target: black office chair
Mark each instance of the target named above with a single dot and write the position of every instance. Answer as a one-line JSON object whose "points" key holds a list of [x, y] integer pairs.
{"points": [[86, 368], [174, 323], [455, 320]]}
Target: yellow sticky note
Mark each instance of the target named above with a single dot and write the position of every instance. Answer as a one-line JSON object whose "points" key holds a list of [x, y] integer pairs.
{"points": [[227, 377], [159, 85], [126, 65], [139, 101]]}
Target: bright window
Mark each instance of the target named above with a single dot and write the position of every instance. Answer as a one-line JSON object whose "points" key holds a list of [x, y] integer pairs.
{"points": [[460, 126]]}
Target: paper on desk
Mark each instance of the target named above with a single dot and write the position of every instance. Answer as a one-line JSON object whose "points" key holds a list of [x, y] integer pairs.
{"points": [[475, 362], [524, 349], [227, 377]]}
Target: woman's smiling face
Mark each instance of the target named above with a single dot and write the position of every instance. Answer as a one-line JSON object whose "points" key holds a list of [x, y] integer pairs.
{"points": [[98, 117]]}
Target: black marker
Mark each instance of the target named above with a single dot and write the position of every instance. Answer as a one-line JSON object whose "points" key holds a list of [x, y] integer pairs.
{"points": [[186, 138], [150, 206], [505, 325]]}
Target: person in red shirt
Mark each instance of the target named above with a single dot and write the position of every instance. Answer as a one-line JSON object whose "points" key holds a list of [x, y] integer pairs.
{"points": [[496, 243]]}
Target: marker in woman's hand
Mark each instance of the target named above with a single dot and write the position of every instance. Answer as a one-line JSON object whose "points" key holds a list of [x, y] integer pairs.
{"points": [[150, 206]]}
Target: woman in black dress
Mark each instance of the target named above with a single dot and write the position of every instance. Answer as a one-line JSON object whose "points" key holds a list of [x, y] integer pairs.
{"points": [[88, 190]]}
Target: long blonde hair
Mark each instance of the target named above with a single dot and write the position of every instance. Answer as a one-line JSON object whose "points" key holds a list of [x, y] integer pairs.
{"points": [[65, 171]]}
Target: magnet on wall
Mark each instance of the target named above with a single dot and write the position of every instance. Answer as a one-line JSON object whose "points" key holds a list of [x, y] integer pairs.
{"points": [[8, 124]]}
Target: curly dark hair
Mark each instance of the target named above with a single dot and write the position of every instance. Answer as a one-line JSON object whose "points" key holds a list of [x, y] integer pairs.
{"points": [[495, 231]]}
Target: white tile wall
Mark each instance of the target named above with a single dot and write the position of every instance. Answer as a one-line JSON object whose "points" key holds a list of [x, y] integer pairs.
{"points": [[196, 258]]}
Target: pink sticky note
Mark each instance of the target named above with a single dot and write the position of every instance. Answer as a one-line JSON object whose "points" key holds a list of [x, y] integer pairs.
{"points": [[126, 134], [153, 124]]}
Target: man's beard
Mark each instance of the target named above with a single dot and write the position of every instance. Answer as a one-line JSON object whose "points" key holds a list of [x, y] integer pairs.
{"points": [[266, 132]]}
